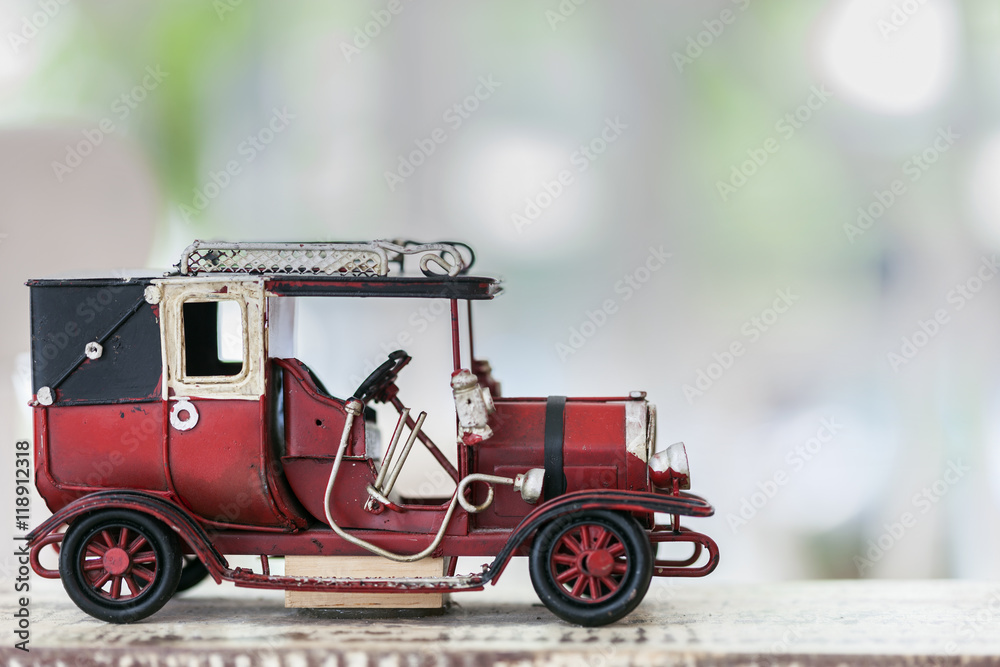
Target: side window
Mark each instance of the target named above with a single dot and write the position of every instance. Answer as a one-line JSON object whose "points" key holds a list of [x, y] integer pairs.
{"points": [[214, 338]]}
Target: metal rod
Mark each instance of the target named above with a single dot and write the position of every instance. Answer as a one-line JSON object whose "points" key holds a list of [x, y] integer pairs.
{"points": [[456, 349], [468, 313], [429, 444], [229, 253], [404, 415], [677, 517], [406, 452], [354, 408]]}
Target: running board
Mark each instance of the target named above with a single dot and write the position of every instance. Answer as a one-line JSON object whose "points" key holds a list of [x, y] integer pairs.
{"points": [[249, 579]]}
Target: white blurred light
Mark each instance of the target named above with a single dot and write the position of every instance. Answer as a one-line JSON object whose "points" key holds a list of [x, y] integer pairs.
{"points": [[11, 65], [15, 58], [891, 56], [984, 191], [503, 174], [991, 442], [21, 379], [828, 482]]}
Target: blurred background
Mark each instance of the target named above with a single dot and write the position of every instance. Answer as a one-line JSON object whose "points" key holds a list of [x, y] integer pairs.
{"points": [[779, 219]]}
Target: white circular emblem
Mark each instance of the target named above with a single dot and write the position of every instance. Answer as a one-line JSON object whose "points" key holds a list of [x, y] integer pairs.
{"points": [[185, 407]]}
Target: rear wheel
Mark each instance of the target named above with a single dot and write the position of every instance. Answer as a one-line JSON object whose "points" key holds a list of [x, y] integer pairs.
{"points": [[193, 573], [591, 568], [119, 566]]}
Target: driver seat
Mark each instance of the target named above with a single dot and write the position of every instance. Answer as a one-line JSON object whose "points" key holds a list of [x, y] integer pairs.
{"points": [[314, 418]]}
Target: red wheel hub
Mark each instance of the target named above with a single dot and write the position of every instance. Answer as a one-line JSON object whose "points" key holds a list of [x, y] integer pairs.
{"points": [[599, 563], [116, 561], [119, 563], [589, 562]]}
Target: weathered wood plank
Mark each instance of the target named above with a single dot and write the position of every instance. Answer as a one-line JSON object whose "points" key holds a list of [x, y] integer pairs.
{"points": [[358, 567], [686, 623]]}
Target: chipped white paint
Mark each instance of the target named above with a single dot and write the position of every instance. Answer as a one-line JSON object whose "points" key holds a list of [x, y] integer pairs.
{"points": [[151, 294], [673, 458], [330, 259], [183, 406], [248, 293], [636, 432], [530, 485], [44, 396], [473, 405]]}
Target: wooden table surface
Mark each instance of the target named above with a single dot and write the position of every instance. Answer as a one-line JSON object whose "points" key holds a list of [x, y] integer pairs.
{"points": [[686, 623]]}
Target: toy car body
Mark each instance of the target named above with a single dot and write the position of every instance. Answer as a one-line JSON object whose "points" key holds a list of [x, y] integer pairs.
{"points": [[158, 456]]}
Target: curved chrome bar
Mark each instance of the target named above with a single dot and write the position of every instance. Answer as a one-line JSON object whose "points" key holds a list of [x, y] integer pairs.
{"points": [[354, 409], [478, 477]]}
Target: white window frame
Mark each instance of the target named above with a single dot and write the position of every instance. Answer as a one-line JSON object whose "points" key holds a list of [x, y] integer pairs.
{"points": [[172, 294]]}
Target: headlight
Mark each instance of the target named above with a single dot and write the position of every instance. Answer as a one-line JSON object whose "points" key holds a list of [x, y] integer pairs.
{"points": [[669, 465]]}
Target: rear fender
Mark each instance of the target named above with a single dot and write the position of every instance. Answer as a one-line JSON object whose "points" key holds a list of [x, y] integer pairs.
{"points": [[684, 504], [170, 514]]}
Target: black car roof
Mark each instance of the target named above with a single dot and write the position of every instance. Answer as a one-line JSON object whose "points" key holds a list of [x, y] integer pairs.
{"points": [[437, 287]]}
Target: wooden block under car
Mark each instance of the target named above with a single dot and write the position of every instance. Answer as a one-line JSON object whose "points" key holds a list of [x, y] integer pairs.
{"points": [[358, 567]]}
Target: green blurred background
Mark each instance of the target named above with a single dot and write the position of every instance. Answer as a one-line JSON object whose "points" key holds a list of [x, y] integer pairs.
{"points": [[825, 177]]}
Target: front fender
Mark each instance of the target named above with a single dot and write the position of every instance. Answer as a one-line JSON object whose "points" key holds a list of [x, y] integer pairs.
{"points": [[685, 504], [170, 514]]}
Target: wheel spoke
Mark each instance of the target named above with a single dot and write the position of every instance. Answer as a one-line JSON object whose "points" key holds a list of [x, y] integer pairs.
{"points": [[136, 543], [616, 549], [103, 579], [116, 588], [564, 559], [93, 564], [107, 538], [132, 586], [122, 537], [620, 567], [595, 590], [145, 557], [578, 586], [143, 573], [610, 583], [571, 543], [603, 537], [96, 549], [568, 574]]}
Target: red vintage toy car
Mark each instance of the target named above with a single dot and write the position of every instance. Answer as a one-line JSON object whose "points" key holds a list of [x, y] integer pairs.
{"points": [[159, 456]]}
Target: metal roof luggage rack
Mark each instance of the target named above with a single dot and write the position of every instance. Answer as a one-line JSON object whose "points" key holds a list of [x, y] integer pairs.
{"points": [[348, 260]]}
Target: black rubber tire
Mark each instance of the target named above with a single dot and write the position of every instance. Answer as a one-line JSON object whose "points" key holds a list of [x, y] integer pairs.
{"points": [[193, 572], [636, 560], [161, 545]]}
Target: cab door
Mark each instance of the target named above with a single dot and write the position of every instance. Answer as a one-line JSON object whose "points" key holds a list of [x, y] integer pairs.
{"points": [[218, 450]]}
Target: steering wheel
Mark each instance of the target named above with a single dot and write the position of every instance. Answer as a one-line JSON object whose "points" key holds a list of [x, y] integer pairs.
{"points": [[382, 377]]}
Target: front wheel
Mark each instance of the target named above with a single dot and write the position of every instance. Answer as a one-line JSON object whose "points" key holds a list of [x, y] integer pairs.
{"points": [[119, 566], [591, 568]]}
